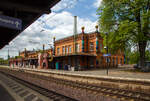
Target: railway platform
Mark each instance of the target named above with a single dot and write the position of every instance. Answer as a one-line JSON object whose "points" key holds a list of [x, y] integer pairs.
{"points": [[92, 85], [119, 73]]}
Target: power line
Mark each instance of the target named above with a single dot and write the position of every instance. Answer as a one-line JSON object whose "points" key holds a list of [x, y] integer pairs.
{"points": [[55, 13], [67, 6]]}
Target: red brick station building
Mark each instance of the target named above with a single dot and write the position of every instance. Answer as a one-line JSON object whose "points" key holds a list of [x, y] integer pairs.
{"points": [[80, 52]]}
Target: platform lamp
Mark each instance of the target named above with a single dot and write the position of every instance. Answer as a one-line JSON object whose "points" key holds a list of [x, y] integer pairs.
{"points": [[106, 52]]}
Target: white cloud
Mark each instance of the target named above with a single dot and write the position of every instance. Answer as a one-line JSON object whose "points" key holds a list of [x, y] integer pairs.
{"points": [[64, 4], [59, 25], [94, 15], [97, 3]]}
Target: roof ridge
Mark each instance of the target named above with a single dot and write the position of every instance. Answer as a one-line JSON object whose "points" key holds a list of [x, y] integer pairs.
{"points": [[73, 35]]}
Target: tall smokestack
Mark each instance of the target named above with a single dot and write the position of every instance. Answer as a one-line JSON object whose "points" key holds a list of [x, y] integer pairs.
{"points": [[75, 25], [75, 32]]}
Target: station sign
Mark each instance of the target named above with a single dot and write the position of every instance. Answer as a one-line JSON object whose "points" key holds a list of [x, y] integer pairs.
{"points": [[106, 54], [10, 22]]}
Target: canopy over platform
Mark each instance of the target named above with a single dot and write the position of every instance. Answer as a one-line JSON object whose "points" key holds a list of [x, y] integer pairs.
{"points": [[16, 15]]}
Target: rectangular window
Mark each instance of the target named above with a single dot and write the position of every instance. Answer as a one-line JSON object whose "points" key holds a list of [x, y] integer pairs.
{"points": [[63, 49], [66, 49], [77, 47], [58, 51], [91, 46], [69, 49]]}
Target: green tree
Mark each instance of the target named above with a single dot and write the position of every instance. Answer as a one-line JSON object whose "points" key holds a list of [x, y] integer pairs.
{"points": [[127, 23], [134, 57], [147, 54]]}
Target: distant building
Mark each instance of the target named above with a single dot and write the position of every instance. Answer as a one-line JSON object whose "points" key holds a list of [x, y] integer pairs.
{"points": [[31, 59], [81, 51]]}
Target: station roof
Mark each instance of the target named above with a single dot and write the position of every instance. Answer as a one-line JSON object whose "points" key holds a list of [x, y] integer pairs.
{"points": [[25, 10]]}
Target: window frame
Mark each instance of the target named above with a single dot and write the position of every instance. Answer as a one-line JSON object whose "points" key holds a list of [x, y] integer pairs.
{"points": [[91, 46], [58, 50], [63, 49]]}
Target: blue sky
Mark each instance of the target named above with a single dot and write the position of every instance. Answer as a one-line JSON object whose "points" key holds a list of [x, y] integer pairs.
{"points": [[84, 9], [58, 23]]}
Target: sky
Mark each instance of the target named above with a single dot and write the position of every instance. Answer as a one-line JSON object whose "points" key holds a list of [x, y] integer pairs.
{"points": [[59, 24]]}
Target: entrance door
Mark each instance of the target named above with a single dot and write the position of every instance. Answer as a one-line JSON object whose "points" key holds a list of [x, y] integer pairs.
{"points": [[77, 63]]}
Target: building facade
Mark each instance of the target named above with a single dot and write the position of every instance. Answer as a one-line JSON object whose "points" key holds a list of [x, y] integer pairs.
{"points": [[82, 51], [33, 59]]}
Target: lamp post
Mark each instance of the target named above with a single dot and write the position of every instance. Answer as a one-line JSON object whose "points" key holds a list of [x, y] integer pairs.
{"points": [[54, 45], [107, 52]]}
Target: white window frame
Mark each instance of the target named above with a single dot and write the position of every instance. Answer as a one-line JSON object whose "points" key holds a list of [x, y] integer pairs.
{"points": [[63, 49], [70, 49], [91, 46], [77, 47], [66, 48]]}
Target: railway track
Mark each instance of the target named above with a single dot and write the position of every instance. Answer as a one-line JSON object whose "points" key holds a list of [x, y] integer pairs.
{"points": [[113, 92], [122, 94], [50, 94], [146, 83]]}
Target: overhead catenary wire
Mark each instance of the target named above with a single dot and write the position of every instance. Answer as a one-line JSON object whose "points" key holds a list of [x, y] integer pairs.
{"points": [[43, 22], [55, 13]]}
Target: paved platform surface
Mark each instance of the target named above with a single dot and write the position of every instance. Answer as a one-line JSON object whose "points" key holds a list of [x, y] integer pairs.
{"points": [[118, 72], [11, 90]]}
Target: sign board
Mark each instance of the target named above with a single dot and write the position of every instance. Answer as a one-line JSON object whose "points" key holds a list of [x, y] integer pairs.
{"points": [[10, 22], [106, 54]]}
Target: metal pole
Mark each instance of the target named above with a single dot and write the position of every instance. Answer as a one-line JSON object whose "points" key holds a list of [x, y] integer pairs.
{"points": [[107, 51], [43, 48], [54, 45], [8, 56]]}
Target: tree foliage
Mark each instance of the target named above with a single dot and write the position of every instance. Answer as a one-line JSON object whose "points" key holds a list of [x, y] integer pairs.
{"points": [[126, 22], [134, 56]]}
